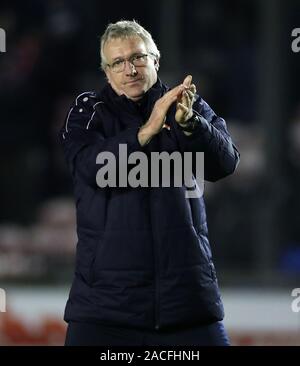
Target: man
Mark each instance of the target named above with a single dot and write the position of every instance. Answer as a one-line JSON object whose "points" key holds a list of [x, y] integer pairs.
{"points": [[144, 273]]}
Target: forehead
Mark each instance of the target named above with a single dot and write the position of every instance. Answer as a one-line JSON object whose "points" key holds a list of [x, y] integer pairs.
{"points": [[123, 47]]}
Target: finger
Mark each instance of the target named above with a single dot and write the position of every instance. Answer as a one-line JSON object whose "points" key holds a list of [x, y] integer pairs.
{"points": [[187, 81], [188, 99], [193, 88], [193, 97], [177, 91], [190, 94], [171, 96], [183, 107]]}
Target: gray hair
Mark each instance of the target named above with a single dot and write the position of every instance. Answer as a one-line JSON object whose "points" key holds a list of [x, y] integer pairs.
{"points": [[126, 29]]}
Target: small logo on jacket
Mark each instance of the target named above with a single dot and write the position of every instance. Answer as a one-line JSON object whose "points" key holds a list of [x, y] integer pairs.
{"points": [[2, 40], [296, 42], [2, 301]]}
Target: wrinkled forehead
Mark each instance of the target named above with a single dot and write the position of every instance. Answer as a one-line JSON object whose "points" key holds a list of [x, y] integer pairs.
{"points": [[123, 47]]}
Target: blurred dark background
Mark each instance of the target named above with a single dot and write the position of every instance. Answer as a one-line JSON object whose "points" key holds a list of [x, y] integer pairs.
{"points": [[240, 56]]}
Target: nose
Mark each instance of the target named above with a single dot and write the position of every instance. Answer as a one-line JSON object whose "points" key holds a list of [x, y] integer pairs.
{"points": [[131, 70]]}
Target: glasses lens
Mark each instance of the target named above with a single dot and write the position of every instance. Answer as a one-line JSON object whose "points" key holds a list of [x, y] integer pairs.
{"points": [[118, 66], [137, 60]]}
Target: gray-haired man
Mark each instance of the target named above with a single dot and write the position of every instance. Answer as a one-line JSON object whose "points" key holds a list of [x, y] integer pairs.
{"points": [[144, 272]]}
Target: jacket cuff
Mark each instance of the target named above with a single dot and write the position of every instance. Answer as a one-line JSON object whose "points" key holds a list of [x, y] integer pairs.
{"points": [[133, 143], [202, 130]]}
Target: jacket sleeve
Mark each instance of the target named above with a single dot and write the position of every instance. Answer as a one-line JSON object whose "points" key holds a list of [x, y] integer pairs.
{"points": [[82, 139], [221, 156]]}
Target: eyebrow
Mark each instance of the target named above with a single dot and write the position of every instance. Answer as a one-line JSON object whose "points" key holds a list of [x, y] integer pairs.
{"points": [[122, 58]]}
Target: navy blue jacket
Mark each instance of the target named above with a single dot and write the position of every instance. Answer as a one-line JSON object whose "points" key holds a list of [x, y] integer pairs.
{"points": [[143, 258]]}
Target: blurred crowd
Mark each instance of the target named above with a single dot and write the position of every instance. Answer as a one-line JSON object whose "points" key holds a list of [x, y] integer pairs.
{"points": [[53, 55]]}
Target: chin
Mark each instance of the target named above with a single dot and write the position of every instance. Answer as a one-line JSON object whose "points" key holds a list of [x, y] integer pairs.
{"points": [[135, 97], [137, 94]]}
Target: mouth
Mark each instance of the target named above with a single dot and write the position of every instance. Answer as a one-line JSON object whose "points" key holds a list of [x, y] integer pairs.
{"points": [[132, 82]]}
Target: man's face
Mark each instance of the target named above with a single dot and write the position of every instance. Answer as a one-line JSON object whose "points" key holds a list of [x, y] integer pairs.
{"points": [[134, 81]]}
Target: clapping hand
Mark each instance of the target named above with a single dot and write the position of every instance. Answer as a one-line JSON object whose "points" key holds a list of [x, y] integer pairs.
{"points": [[185, 101]]}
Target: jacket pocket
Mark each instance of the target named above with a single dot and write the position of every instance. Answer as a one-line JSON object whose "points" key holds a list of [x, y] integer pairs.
{"points": [[201, 244], [205, 248], [87, 246]]}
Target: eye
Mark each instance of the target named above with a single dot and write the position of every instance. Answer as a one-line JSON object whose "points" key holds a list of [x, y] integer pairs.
{"points": [[117, 63], [139, 57]]}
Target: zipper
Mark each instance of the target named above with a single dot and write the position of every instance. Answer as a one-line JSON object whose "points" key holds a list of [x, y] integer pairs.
{"points": [[155, 250], [156, 268], [157, 288]]}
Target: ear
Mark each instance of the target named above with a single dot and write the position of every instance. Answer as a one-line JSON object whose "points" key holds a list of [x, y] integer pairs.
{"points": [[156, 64]]}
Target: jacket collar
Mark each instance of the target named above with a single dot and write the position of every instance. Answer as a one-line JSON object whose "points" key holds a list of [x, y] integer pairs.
{"points": [[144, 106]]}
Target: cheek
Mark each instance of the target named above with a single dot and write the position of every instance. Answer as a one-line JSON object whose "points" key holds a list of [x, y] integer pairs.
{"points": [[109, 77], [152, 74], [114, 79]]}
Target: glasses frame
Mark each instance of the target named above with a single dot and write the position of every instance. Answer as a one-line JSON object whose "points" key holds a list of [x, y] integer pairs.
{"points": [[131, 61]]}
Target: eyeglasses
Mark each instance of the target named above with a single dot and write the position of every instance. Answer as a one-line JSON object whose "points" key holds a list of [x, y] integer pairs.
{"points": [[140, 59]]}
